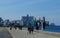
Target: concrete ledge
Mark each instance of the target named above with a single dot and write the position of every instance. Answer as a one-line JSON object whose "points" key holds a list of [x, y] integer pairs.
{"points": [[46, 32]]}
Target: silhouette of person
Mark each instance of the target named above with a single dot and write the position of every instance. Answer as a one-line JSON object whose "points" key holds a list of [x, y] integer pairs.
{"points": [[30, 28], [44, 24], [37, 25]]}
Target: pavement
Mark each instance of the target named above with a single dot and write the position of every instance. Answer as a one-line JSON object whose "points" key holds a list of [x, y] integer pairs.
{"points": [[24, 34], [4, 33]]}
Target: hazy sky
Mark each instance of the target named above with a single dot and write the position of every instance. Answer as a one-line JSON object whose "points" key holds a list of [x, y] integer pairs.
{"points": [[14, 9]]}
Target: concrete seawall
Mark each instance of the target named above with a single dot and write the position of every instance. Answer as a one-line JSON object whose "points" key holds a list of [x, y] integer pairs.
{"points": [[46, 32], [40, 34], [49, 33]]}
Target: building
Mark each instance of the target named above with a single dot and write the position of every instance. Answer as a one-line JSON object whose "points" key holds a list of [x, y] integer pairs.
{"points": [[6, 22], [43, 19], [52, 24], [27, 19], [47, 23], [1, 21]]}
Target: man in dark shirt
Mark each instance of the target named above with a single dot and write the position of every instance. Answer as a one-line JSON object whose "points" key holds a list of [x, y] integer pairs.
{"points": [[44, 24]]}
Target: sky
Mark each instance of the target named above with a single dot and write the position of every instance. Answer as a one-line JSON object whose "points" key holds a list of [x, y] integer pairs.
{"points": [[14, 9]]}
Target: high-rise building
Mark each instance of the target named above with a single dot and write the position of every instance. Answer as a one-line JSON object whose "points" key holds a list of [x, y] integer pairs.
{"points": [[27, 19], [1, 21], [6, 22], [43, 19], [52, 24], [47, 23]]}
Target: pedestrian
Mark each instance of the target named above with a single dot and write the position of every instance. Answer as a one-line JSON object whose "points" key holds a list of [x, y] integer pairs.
{"points": [[37, 25], [29, 29], [44, 24], [32, 29], [32, 26], [21, 24]]}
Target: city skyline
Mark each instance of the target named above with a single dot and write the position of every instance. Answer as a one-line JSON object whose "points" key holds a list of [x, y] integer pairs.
{"points": [[14, 9]]}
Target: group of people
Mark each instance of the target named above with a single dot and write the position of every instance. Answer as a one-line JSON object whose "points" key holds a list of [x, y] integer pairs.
{"points": [[37, 26]]}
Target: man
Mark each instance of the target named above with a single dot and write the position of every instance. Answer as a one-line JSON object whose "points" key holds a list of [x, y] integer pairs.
{"points": [[32, 26], [29, 28], [21, 24], [37, 25], [44, 24]]}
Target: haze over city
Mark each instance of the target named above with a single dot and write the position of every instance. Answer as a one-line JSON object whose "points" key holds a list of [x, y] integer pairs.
{"points": [[14, 9]]}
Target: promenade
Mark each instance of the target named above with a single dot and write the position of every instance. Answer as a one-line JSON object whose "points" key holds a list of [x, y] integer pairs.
{"points": [[4, 33], [24, 34]]}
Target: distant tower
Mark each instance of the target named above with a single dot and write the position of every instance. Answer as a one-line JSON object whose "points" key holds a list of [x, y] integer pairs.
{"points": [[27, 15], [39, 19], [27, 19], [35, 19], [1, 19], [43, 19], [43, 23]]}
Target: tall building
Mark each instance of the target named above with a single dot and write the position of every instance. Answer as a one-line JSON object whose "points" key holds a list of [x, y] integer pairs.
{"points": [[52, 24], [27, 19], [47, 23], [1, 21], [43, 19], [6, 22]]}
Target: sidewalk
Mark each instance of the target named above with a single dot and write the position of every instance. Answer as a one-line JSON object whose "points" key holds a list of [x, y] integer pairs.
{"points": [[4, 33], [23, 34]]}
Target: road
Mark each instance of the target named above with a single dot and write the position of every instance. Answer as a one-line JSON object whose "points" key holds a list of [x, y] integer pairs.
{"points": [[4, 33], [24, 34]]}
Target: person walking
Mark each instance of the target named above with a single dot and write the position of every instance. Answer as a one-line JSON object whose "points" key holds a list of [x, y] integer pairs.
{"points": [[29, 28], [37, 25], [21, 24], [32, 26], [43, 26]]}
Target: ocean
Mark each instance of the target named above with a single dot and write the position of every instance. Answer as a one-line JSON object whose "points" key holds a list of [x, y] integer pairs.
{"points": [[50, 28]]}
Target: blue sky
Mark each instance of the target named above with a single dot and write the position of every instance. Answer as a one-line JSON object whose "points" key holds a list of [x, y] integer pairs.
{"points": [[14, 9]]}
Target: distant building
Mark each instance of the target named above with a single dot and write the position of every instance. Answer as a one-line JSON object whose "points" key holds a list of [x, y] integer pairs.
{"points": [[21, 23], [47, 23], [1, 21], [52, 24], [15, 21], [6, 22], [43, 19], [27, 19]]}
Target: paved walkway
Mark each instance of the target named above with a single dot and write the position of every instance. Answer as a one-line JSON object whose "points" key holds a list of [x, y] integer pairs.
{"points": [[4, 33], [24, 34]]}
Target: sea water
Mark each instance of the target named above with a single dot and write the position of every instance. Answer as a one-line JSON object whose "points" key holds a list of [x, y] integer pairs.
{"points": [[49, 28], [52, 28]]}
